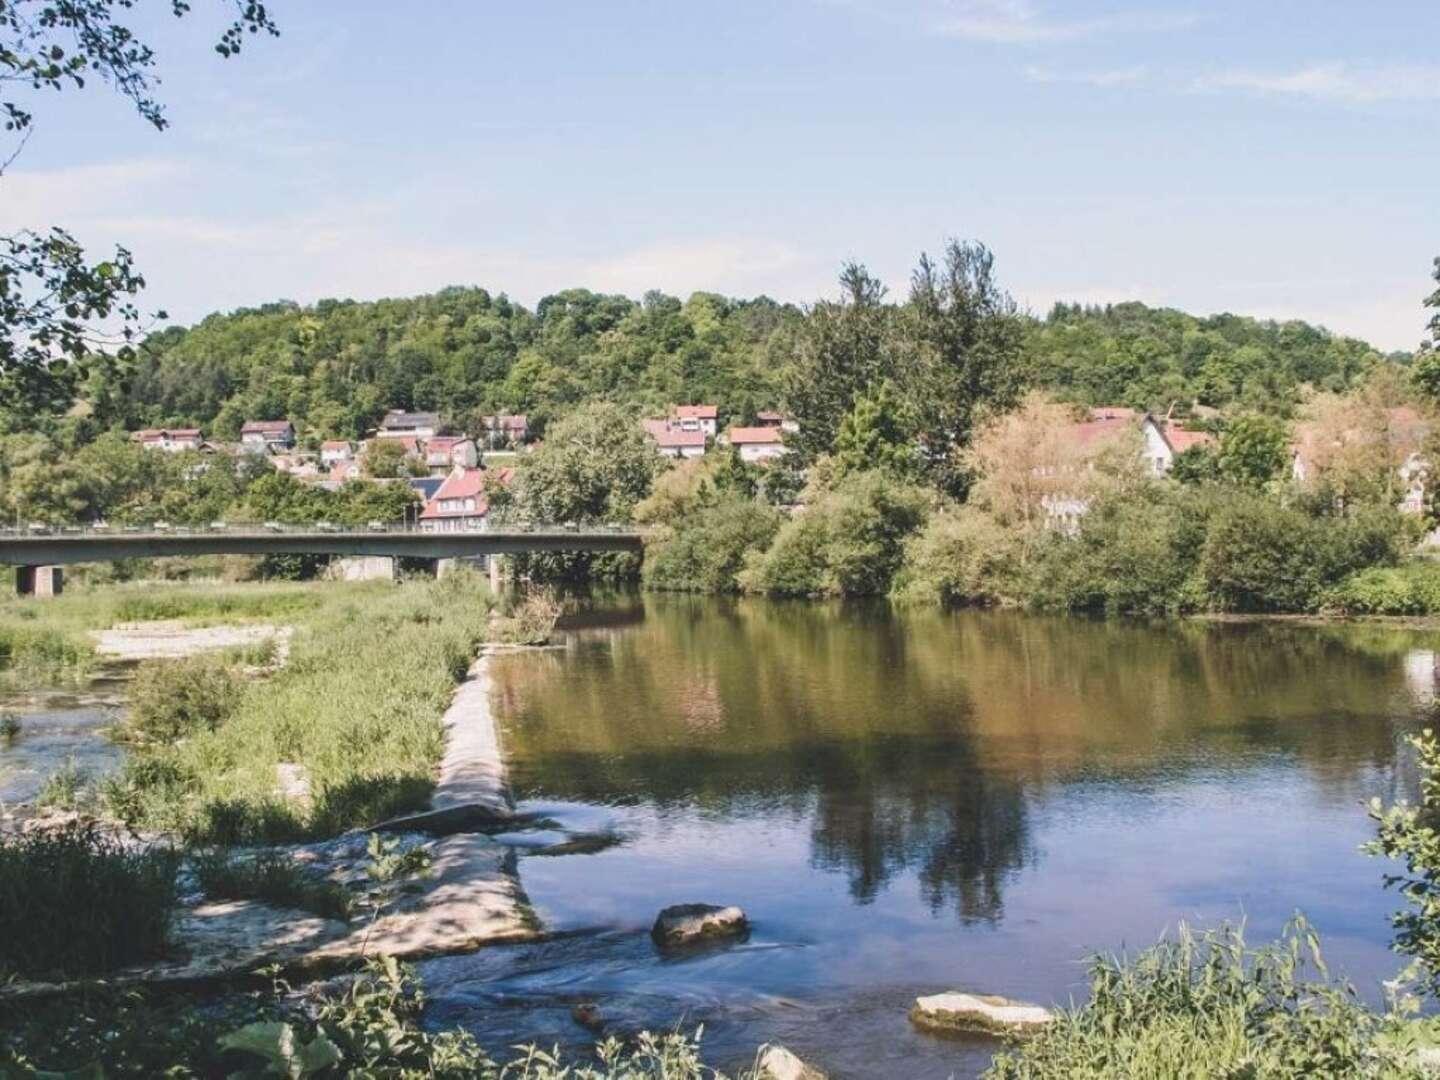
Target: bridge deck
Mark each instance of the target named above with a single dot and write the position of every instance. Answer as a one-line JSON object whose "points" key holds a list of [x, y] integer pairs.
{"points": [[64, 546]]}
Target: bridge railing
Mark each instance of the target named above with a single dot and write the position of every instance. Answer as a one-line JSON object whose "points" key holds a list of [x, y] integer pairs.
{"points": [[278, 528]]}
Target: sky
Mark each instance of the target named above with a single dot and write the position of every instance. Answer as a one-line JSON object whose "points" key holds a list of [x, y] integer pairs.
{"points": [[1277, 158]]}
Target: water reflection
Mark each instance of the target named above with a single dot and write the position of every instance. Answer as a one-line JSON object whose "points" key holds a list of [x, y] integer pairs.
{"points": [[911, 801]]}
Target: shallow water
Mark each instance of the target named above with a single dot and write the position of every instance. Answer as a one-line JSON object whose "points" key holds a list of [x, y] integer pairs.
{"points": [[53, 732], [912, 802]]}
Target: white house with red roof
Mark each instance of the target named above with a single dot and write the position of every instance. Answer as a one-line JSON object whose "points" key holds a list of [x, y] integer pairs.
{"points": [[460, 504], [702, 418], [673, 441], [757, 444]]}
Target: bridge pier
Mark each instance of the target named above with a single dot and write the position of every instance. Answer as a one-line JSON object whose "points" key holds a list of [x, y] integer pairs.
{"points": [[497, 572], [42, 581], [366, 568]]}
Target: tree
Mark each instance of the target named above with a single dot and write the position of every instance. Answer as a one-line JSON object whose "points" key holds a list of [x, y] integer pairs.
{"points": [[1253, 450], [385, 459], [56, 305], [1425, 372], [847, 347], [873, 436], [967, 340]]}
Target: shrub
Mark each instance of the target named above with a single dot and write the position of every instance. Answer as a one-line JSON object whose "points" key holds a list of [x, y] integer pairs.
{"points": [[40, 655], [1263, 556], [707, 547], [175, 699], [961, 556], [76, 902], [1209, 1006], [849, 542], [527, 621], [1410, 589]]}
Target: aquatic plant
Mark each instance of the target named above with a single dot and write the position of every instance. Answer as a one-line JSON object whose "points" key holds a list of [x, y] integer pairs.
{"points": [[74, 901], [529, 620]]}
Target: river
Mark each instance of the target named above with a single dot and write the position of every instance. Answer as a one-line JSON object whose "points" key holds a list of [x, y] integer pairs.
{"points": [[907, 802]]}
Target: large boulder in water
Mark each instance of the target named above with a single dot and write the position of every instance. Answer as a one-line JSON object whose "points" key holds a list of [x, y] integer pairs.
{"points": [[689, 924], [777, 1063], [985, 1013]]}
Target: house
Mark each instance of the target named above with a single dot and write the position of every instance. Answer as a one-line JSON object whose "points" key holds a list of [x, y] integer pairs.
{"points": [[333, 451], [171, 440], [700, 418], [425, 486], [757, 444], [503, 430], [401, 424], [771, 419], [444, 452], [267, 436], [460, 503], [343, 471], [672, 441]]}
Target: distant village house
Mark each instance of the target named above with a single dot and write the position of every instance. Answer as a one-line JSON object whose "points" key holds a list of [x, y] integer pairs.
{"points": [[414, 425], [460, 504], [267, 436], [171, 440]]}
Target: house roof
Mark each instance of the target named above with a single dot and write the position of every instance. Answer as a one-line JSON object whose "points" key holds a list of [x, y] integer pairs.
{"points": [[445, 443], [399, 419], [1104, 423], [466, 484], [266, 427], [411, 443], [696, 412], [668, 437], [150, 434], [335, 444], [1181, 440], [344, 470], [752, 436], [426, 486], [766, 416]]}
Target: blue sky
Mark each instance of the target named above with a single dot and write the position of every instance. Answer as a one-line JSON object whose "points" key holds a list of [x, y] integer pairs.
{"points": [[1275, 158]]}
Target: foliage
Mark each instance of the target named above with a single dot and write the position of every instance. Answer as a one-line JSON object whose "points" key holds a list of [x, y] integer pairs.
{"points": [[1254, 450], [1198, 464], [172, 700], [66, 788], [268, 875], [961, 556], [74, 901], [1211, 1006], [1412, 588], [848, 542], [38, 656], [56, 306], [706, 548], [1407, 833], [872, 436], [1260, 555]]}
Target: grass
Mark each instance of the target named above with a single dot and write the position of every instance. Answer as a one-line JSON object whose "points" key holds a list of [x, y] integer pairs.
{"points": [[67, 788], [371, 672], [173, 699], [39, 655], [271, 876], [75, 902], [1208, 1006]]}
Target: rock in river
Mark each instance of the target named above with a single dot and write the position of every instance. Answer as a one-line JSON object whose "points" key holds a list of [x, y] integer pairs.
{"points": [[777, 1063], [978, 1012], [685, 924]]}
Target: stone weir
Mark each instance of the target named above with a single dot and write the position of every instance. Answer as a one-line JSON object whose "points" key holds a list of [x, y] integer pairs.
{"points": [[470, 897]]}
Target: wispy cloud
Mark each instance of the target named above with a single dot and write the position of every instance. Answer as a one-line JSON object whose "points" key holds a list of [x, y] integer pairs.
{"points": [[1023, 22], [1333, 82], [1129, 76]]}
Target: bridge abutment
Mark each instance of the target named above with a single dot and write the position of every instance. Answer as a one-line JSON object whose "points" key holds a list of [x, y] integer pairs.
{"points": [[41, 581], [366, 568]]}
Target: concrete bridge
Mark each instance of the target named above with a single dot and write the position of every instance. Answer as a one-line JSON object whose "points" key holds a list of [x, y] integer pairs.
{"points": [[38, 554]]}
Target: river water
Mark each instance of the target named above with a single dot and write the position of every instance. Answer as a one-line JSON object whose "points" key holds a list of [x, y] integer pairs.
{"points": [[908, 802]]}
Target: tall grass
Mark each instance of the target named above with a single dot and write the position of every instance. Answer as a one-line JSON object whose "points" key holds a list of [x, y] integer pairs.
{"points": [[173, 699], [358, 706], [1206, 1006], [35, 656], [75, 902]]}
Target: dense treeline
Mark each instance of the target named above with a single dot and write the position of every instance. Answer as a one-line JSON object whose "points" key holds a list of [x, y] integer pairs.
{"points": [[335, 366]]}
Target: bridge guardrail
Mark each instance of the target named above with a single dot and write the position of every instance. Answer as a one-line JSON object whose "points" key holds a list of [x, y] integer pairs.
{"points": [[273, 528]]}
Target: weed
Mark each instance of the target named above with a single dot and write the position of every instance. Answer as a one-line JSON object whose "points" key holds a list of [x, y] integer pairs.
{"points": [[67, 788], [271, 876], [173, 699], [9, 728]]}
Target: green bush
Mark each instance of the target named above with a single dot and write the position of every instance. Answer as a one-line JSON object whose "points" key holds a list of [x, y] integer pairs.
{"points": [[1262, 556], [33, 656], [1209, 1006], [1412, 588], [707, 547], [172, 700], [76, 902], [849, 542], [961, 556]]}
